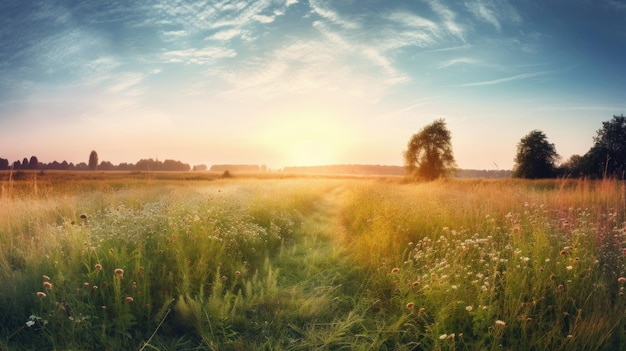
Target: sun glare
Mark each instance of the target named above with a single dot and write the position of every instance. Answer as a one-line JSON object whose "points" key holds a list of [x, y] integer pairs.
{"points": [[311, 153], [306, 140]]}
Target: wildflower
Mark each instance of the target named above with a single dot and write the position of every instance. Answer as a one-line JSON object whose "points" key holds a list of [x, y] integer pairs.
{"points": [[569, 268], [95, 287], [98, 267], [560, 287], [237, 273], [129, 299], [415, 283], [563, 253], [30, 323], [83, 216], [422, 310], [451, 336], [410, 305], [395, 270], [469, 308], [621, 280], [443, 336], [47, 285], [528, 320], [103, 307], [41, 294], [119, 271], [500, 323], [46, 278], [86, 284]]}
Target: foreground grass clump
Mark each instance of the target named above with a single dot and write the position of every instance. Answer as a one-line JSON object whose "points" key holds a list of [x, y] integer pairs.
{"points": [[104, 269], [486, 265], [301, 264]]}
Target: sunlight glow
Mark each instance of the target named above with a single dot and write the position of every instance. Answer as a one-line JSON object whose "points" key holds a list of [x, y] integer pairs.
{"points": [[308, 139]]}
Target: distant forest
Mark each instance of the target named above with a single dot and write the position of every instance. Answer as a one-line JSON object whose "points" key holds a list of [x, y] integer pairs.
{"points": [[178, 166], [142, 165], [380, 170]]}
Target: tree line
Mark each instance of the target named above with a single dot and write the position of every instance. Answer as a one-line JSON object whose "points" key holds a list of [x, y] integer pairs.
{"points": [[429, 154], [537, 158], [33, 163]]}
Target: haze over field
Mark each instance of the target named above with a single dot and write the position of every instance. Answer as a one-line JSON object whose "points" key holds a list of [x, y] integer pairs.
{"points": [[297, 82]]}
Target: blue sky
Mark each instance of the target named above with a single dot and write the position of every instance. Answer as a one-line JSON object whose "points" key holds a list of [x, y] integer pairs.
{"points": [[301, 82]]}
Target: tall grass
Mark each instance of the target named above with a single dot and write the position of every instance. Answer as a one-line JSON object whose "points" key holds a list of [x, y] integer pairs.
{"points": [[492, 264], [302, 264]]}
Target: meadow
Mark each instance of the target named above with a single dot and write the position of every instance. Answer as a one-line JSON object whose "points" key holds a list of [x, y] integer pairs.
{"points": [[95, 261]]}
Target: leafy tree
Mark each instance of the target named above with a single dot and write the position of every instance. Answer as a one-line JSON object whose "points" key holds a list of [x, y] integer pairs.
{"points": [[574, 167], [608, 154], [93, 160], [4, 164], [429, 153], [25, 163], [33, 163], [535, 157]]}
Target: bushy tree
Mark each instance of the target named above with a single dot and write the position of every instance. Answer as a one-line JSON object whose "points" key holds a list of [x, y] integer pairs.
{"points": [[429, 153], [535, 157], [33, 163], [93, 160], [607, 156]]}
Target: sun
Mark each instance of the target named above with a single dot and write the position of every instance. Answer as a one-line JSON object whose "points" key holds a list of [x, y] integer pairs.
{"points": [[308, 139], [311, 152]]}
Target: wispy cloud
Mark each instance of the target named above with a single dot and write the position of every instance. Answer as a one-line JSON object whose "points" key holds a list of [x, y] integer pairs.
{"points": [[481, 11], [504, 80], [227, 34], [458, 61], [126, 81], [448, 18], [198, 56], [324, 11], [494, 12]]}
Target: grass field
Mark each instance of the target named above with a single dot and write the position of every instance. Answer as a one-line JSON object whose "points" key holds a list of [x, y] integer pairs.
{"points": [[96, 261]]}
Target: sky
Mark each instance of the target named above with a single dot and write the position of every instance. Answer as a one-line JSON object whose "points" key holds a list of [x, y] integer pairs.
{"points": [[305, 82]]}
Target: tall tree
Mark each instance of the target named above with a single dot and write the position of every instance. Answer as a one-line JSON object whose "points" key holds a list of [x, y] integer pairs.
{"points": [[607, 157], [93, 160], [535, 157], [429, 153], [33, 163]]}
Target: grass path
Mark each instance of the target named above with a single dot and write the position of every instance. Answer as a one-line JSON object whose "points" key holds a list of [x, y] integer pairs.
{"points": [[318, 268]]}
